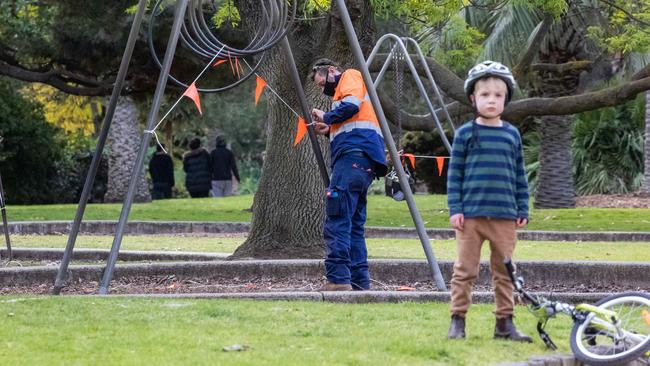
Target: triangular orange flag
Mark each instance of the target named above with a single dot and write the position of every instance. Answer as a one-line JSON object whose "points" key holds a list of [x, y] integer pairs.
{"points": [[440, 160], [193, 94], [302, 130], [241, 68], [237, 67], [232, 66], [259, 88], [218, 63], [411, 158]]}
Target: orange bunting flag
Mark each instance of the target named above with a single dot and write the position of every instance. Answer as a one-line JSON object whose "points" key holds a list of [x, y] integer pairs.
{"points": [[237, 67], [218, 63], [241, 68], [193, 94], [411, 159], [259, 88], [232, 66], [302, 130], [440, 160]]}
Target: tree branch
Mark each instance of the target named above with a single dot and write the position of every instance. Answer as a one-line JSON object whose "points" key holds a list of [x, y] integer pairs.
{"points": [[643, 73], [629, 15], [421, 122], [61, 80], [565, 67], [519, 110]]}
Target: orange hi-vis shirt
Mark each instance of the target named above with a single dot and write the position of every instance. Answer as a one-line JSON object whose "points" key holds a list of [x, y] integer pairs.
{"points": [[351, 89], [361, 131]]}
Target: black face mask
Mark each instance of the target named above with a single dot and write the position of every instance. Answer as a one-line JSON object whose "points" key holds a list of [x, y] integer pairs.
{"points": [[330, 86]]}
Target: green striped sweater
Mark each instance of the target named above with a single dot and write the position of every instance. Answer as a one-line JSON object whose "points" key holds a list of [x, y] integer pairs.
{"points": [[486, 176]]}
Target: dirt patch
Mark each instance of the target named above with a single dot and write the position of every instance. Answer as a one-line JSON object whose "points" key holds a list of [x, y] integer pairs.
{"points": [[630, 200], [173, 285]]}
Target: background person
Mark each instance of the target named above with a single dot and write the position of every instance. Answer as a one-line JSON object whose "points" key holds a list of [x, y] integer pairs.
{"points": [[161, 169], [196, 164], [223, 169]]}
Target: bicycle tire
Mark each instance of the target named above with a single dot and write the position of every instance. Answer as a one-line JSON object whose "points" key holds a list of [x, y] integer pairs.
{"points": [[585, 339]]}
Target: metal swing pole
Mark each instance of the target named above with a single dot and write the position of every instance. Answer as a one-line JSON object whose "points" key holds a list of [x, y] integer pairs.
{"points": [[399, 44], [101, 142], [374, 98], [179, 13], [5, 225], [295, 78]]}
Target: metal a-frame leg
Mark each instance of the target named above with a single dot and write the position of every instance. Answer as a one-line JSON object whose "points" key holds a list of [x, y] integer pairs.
{"points": [[5, 224], [101, 142], [372, 92], [179, 13], [295, 78], [399, 43]]}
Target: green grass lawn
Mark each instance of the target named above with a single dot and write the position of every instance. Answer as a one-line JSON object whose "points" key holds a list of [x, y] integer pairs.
{"points": [[382, 211], [377, 248], [140, 331]]}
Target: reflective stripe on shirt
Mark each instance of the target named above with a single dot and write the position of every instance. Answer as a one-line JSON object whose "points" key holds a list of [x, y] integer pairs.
{"points": [[349, 126]]}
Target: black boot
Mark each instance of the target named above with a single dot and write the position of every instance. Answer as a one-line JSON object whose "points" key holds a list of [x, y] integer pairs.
{"points": [[505, 329], [456, 328]]}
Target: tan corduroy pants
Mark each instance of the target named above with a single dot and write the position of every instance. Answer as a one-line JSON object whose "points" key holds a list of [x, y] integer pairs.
{"points": [[502, 237]]}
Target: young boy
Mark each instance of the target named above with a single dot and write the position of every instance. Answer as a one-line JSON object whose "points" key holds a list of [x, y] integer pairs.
{"points": [[487, 196]]}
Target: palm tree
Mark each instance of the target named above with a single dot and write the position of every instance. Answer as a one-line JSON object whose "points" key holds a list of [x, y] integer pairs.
{"points": [[645, 188], [123, 143], [519, 35]]}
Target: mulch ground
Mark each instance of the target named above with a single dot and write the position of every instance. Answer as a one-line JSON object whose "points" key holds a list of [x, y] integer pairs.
{"points": [[173, 285], [630, 200]]}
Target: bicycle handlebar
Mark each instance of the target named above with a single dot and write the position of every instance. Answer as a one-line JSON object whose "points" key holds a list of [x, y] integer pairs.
{"points": [[518, 282]]}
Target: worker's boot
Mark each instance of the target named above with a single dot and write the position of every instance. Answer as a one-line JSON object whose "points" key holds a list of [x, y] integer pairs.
{"points": [[457, 327], [505, 329], [329, 286]]}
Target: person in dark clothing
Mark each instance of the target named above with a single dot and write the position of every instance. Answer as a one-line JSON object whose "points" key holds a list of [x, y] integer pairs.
{"points": [[196, 164], [161, 168], [223, 168]]}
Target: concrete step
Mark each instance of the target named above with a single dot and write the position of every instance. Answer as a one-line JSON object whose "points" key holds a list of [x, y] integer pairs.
{"points": [[177, 228], [559, 276]]}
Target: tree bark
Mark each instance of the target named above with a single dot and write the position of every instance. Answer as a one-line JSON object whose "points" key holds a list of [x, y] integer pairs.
{"points": [[563, 46], [124, 139], [289, 206], [555, 186], [645, 187]]}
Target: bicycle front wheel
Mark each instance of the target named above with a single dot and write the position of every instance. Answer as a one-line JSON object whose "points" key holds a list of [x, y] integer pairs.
{"points": [[599, 342]]}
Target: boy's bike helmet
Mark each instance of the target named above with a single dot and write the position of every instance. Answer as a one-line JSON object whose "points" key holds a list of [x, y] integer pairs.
{"points": [[490, 69]]}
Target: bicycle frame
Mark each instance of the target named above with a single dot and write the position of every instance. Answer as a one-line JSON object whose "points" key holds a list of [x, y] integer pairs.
{"points": [[543, 310], [606, 320]]}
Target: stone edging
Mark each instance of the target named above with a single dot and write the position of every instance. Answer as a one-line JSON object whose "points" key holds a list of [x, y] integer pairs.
{"points": [[558, 360], [560, 275], [180, 227], [358, 297]]}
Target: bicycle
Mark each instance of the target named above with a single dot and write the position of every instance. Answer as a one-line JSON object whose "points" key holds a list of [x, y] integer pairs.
{"points": [[613, 331]]}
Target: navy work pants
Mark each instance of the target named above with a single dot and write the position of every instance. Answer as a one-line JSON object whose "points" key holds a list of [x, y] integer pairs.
{"points": [[347, 257]]}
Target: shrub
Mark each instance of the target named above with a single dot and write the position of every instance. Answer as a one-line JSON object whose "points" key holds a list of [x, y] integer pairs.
{"points": [[607, 150], [39, 163]]}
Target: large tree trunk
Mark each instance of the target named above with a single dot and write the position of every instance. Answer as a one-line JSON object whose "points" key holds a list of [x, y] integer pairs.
{"points": [[289, 207], [124, 139], [645, 188], [555, 186]]}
